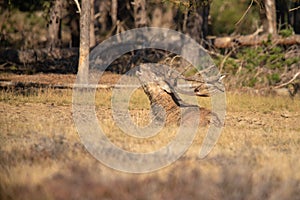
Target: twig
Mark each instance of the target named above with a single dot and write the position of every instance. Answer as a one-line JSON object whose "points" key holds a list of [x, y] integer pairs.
{"points": [[224, 60], [284, 84], [172, 60], [258, 31], [245, 13], [293, 9], [78, 6]]}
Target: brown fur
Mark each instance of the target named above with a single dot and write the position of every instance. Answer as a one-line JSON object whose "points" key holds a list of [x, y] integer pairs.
{"points": [[157, 84], [159, 97]]}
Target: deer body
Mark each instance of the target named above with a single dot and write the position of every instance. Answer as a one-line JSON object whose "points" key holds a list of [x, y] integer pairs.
{"points": [[165, 100]]}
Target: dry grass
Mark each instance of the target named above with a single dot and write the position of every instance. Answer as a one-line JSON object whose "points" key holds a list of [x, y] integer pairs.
{"points": [[41, 156]]}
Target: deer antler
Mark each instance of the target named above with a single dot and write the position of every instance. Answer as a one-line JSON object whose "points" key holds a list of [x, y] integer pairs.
{"points": [[175, 82]]}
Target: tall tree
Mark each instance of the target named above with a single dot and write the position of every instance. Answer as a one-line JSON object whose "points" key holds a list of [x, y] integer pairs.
{"points": [[271, 16], [114, 12], [54, 24], [140, 13], [102, 12], [288, 14], [193, 18], [295, 15], [140, 20], [92, 26], [282, 13], [85, 20], [197, 21]]}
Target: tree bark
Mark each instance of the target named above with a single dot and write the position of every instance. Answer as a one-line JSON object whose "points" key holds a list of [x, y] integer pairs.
{"points": [[103, 10], [295, 13], [157, 17], [197, 22], [271, 16], [54, 25], [83, 64], [282, 13], [140, 20], [140, 14], [92, 26], [114, 12]]}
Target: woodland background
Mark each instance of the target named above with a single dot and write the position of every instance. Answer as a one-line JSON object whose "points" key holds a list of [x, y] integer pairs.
{"points": [[254, 42]]}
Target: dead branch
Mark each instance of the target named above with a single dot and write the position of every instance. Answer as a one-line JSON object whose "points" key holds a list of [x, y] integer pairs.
{"points": [[293, 9], [290, 81], [245, 13], [78, 6], [253, 40]]}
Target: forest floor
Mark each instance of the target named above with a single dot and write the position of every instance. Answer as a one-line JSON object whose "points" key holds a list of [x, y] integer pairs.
{"points": [[42, 156]]}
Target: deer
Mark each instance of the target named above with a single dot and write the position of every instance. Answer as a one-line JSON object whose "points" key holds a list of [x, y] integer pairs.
{"points": [[160, 84]]}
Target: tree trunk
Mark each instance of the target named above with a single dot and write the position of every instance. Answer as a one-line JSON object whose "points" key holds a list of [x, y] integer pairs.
{"points": [[282, 13], [140, 20], [271, 16], [205, 16], [295, 13], [162, 19], [140, 14], [73, 18], [114, 12], [83, 64], [92, 26], [197, 22], [157, 17], [103, 10], [75, 28], [54, 25]]}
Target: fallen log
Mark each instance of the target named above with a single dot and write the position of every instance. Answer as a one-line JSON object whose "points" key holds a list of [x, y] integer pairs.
{"points": [[253, 40]]}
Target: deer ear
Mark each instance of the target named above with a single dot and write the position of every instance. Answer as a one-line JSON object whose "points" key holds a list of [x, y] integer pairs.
{"points": [[165, 86]]}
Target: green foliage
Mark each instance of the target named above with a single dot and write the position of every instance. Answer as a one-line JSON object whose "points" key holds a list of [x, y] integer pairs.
{"points": [[270, 57], [273, 78], [286, 32], [226, 13], [250, 82], [262, 65], [13, 68]]}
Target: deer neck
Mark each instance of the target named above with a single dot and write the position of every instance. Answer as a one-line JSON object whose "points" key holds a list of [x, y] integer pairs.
{"points": [[161, 100]]}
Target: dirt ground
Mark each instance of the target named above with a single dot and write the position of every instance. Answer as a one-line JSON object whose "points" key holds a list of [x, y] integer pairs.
{"points": [[55, 79], [42, 157]]}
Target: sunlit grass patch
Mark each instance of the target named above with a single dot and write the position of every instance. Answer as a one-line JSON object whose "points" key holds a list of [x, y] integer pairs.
{"points": [[258, 103], [34, 95], [256, 156]]}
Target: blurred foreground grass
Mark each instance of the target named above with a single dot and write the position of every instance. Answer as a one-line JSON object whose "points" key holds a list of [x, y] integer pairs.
{"points": [[41, 156]]}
